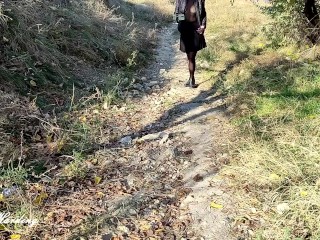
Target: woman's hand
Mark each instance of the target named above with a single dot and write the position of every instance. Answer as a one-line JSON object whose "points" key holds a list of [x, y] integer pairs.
{"points": [[200, 30]]}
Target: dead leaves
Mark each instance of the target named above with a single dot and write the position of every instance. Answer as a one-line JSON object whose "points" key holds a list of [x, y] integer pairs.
{"points": [[40, 198], [198, 178]]}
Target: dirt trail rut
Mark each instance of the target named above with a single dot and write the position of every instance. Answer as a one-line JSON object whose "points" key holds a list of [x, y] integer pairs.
{"points": [[197, 114]]}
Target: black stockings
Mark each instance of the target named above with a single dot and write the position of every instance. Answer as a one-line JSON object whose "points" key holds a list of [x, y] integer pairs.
{"points": [[192, 65]]}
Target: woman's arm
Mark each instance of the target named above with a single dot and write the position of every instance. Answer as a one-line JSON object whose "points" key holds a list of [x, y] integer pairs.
{"points": [[176, 11], [203, 17]]}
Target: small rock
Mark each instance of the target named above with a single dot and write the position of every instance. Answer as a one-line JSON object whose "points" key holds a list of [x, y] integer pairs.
{"points": [[123, 109], [165, 138], [162, 71], [108, 236], [155, 136], [157, 102], [171, 153], [143, 79], [126, 140], [188, 152], [165, 115], [282, 208], [156, 87], [122, 160], [129, 181], [152, 83], [132, 212], [138, 87], [89, 165], [198, 178], [135, 93], [123, 229], [204, 64], [7, 192]]}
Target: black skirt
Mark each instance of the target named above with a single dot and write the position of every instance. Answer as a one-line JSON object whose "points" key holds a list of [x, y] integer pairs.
{"points": [[190, 40]]}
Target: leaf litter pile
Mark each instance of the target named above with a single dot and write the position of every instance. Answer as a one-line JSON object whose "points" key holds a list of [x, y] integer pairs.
{"points": [[109, 190]]}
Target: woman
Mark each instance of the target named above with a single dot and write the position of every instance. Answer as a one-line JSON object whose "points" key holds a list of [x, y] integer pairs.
{"points": [[192, 18]]}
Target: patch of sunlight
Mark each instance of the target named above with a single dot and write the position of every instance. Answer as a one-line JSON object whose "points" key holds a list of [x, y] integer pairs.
{"points": [[309, 109], [267, 106]]}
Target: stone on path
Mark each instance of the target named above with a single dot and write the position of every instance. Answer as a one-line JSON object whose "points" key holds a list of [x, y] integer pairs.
{"points": [[126, 140], [155, 136]]}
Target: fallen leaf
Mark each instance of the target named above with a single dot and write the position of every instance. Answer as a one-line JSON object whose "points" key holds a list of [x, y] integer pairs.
{"points": [[39, 199], [38, 187], [49, 216], [274, 177], [100, 194], [15, 236], [303, 193], [144, 226], [215, 205], [83, 119], [97, 180], [1, 197], [33, 83]]}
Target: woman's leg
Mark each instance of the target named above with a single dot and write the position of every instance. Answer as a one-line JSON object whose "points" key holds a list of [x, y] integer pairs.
{"points": [[192, 67]]}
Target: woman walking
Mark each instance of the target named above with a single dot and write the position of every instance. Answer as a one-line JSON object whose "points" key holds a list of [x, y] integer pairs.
{"points": [[192, 18]]}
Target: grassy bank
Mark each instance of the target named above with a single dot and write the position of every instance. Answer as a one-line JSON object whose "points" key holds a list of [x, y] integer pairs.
{"points": [[70, 57], [273, 102], [62, 65]]}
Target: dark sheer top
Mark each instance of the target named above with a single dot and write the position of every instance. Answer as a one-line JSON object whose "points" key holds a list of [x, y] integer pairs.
{"points": [[191, 11]]}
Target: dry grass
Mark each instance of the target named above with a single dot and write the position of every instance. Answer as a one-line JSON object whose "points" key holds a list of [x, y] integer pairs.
{"points": [[274, 104], [66, 61], [60, 55]]}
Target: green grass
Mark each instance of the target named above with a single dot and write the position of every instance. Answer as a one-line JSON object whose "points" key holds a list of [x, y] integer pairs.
{"points": [[274, 104], [13, 175]]}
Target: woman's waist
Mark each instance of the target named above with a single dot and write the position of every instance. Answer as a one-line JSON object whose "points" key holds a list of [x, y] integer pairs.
{"points": [[192, 23]]}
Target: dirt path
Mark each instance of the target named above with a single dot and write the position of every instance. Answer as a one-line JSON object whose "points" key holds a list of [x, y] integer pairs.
{"points": [[200, 116], [153, 174], [194, 121]]}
